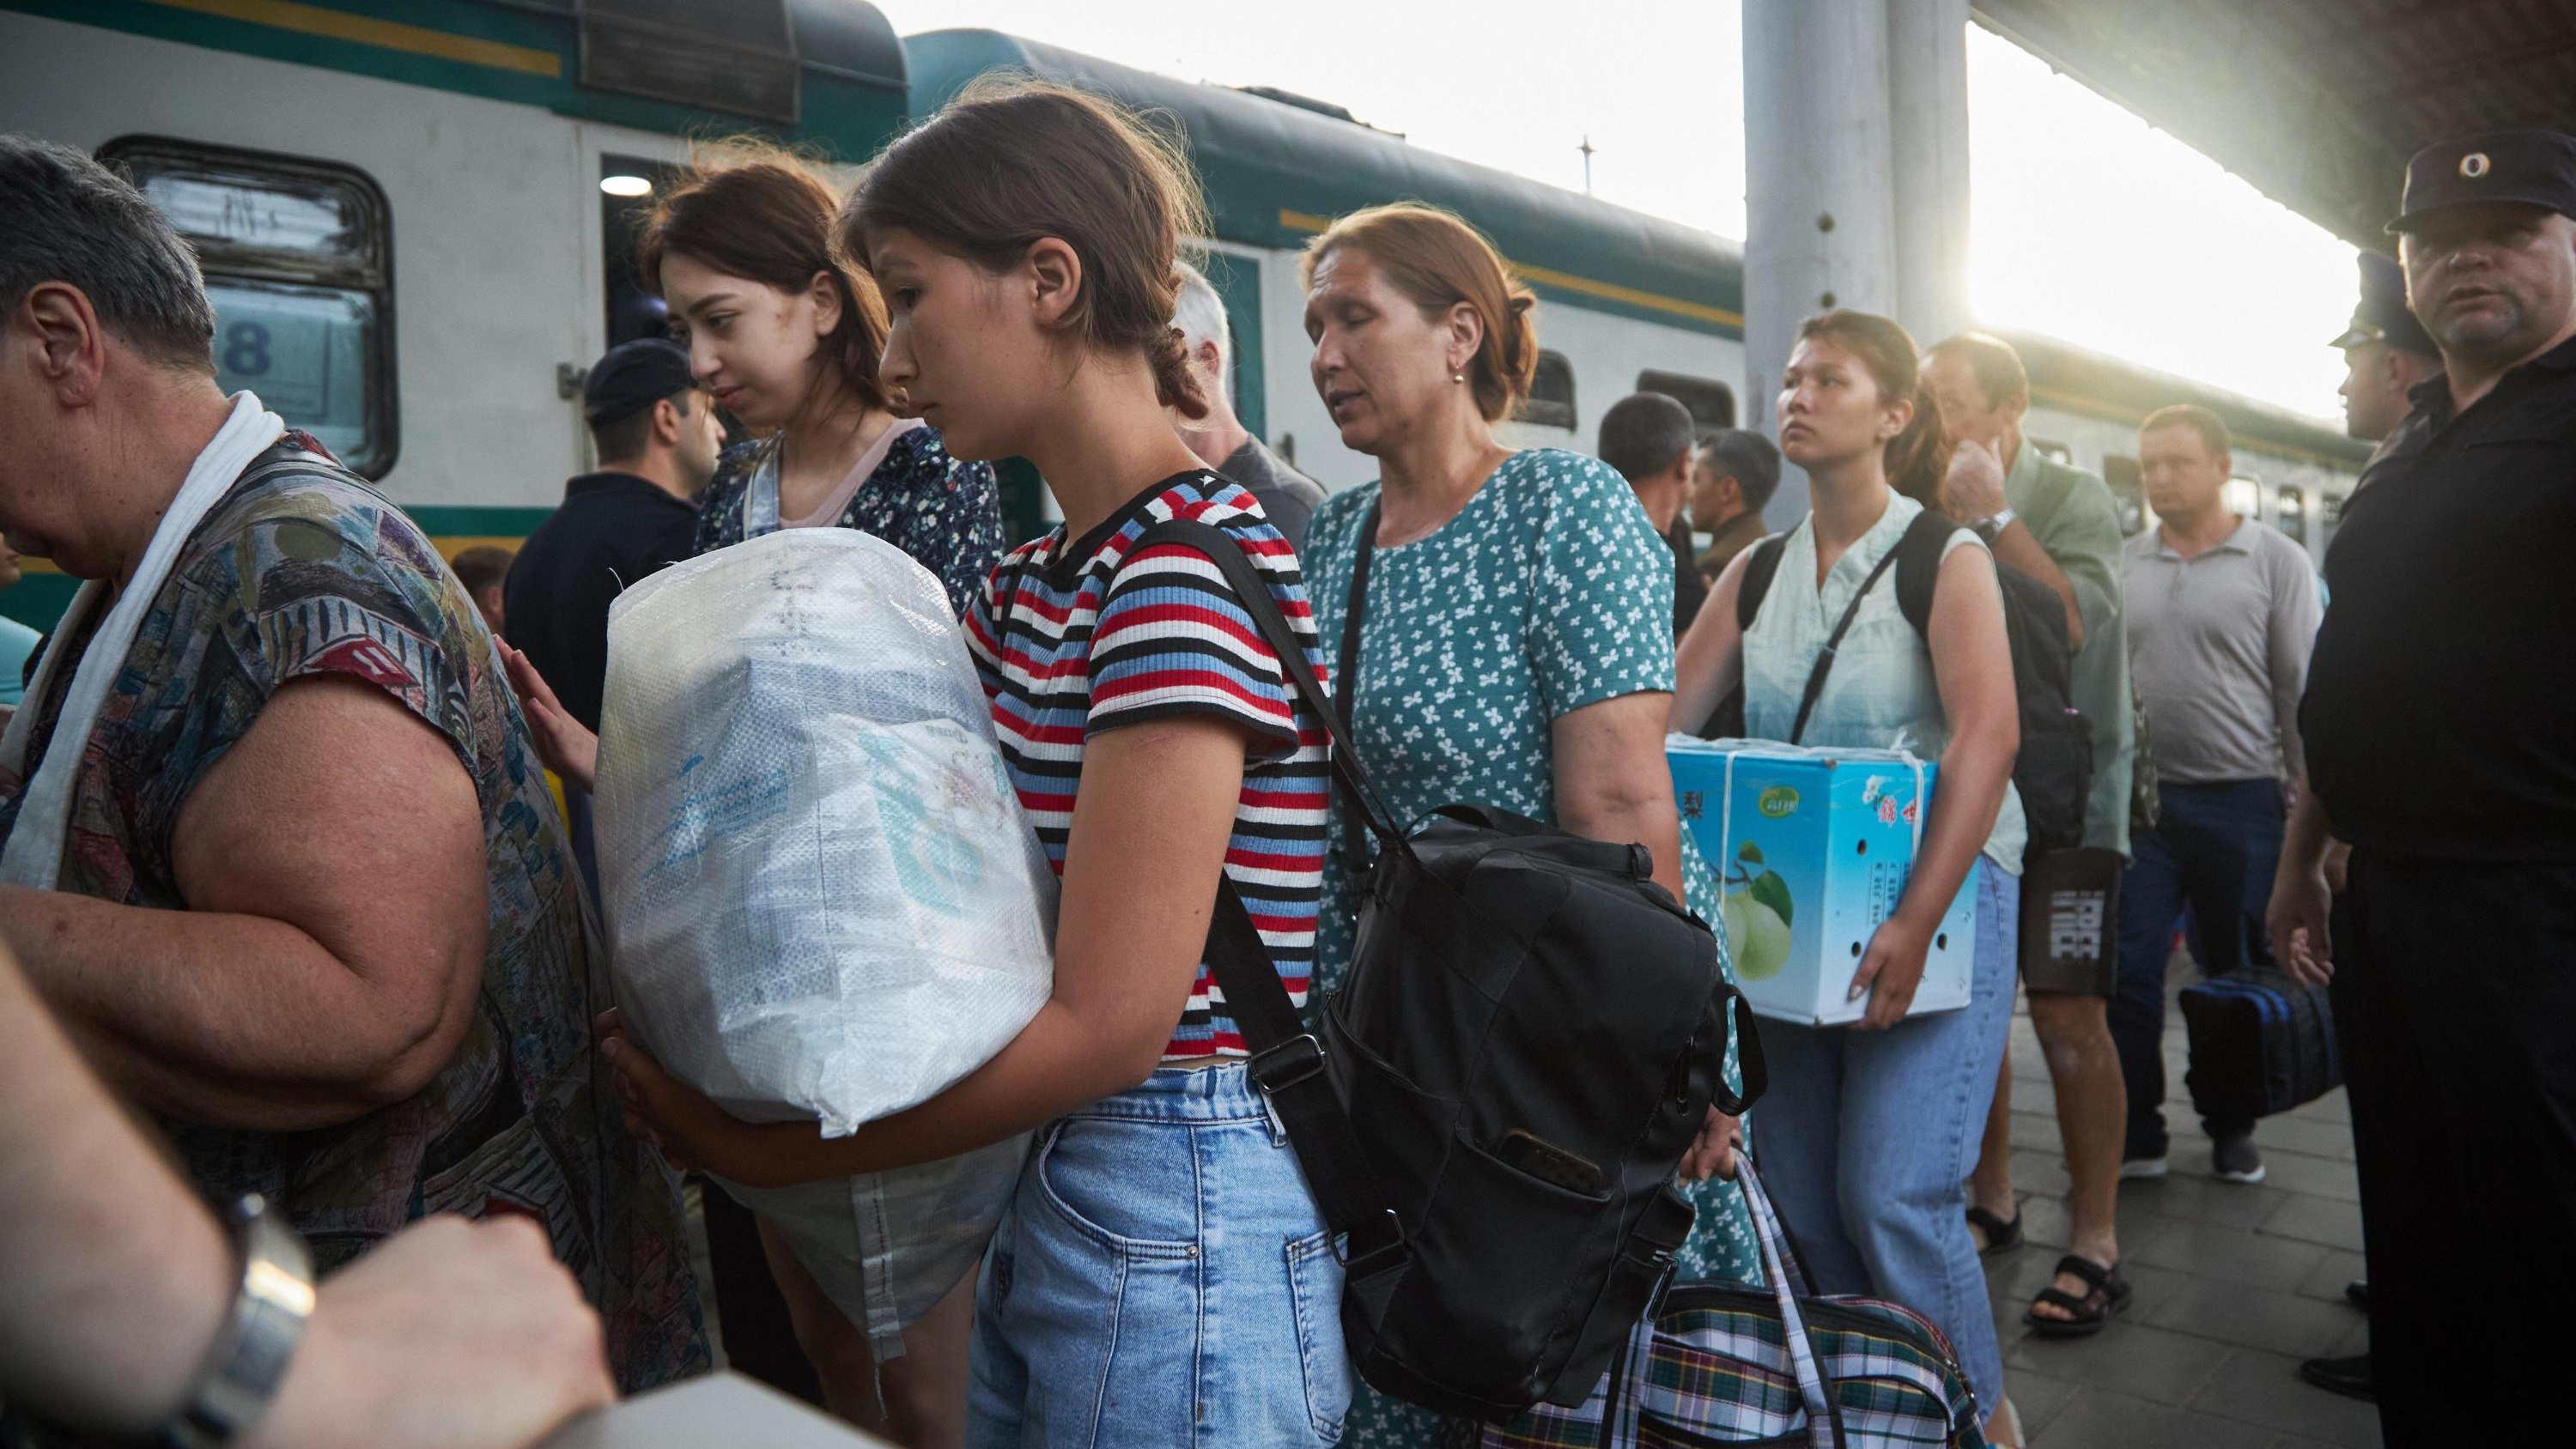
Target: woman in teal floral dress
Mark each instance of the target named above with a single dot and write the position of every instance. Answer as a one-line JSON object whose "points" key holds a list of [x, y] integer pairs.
{"points": [[1516, 648]]}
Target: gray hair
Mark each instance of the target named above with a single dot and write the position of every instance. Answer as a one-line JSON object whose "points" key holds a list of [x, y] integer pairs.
{"points": [[1200, 314], [66, 218]]}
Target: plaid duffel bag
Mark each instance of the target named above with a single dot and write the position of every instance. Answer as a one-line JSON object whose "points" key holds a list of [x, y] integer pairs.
{"points": [[1731, 1364]]}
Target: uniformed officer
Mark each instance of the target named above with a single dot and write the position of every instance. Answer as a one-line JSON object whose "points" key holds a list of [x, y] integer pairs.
{"points": [[2441, 735], [2386, 352]]}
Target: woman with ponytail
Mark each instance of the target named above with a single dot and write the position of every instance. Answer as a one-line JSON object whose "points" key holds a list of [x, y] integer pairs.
{"points": [[1868, 1130], [1162, 1276], [1505, 650]]}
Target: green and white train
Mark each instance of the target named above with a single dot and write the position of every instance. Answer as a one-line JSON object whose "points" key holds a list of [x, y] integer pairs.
{"points": [[409, 214]]}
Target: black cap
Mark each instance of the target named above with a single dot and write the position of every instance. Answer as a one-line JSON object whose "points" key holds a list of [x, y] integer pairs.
{"points": [[2382, 315], [632, 377], [2536, 168]]}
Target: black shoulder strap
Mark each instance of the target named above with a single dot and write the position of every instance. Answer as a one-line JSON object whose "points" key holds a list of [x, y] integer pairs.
{"points": [[1287, 1061], [1918, 568], [1346, 680], [1756, 583], [1834, 644]]}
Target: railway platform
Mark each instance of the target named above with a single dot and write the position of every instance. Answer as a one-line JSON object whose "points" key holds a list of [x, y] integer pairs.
{"points": [[2235, 1283]]}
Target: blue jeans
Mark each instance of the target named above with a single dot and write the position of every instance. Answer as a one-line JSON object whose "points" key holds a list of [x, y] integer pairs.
{"points": [[1866, 1136], [1162, 1280], [2211, 856]]}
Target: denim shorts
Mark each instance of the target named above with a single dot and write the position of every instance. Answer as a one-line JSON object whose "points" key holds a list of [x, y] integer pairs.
{"points": [[1160, 1278]]}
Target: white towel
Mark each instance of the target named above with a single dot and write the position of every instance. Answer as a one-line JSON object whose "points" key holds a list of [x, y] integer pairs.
{"points": [[34, 856]]}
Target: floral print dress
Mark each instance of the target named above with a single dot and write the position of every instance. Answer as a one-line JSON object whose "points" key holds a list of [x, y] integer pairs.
{"points": [[946, 513], [1549, 591]]}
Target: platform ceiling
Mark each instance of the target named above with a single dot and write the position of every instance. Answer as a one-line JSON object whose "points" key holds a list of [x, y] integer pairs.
{"points": [[2318, 103]]}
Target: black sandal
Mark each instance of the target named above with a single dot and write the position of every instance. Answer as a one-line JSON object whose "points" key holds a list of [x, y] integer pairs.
{"points": [[2001, 1236], [2106, 1294]]}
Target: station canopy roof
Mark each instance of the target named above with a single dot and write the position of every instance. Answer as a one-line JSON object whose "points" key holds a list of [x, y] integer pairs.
{"points": [[2318, 103]]}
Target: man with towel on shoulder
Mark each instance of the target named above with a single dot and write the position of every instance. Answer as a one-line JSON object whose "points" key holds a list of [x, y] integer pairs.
{"points": [[273, 842]]}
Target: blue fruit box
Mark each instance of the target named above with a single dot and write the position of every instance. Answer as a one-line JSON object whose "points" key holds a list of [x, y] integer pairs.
{"points": [[1812, 849]]}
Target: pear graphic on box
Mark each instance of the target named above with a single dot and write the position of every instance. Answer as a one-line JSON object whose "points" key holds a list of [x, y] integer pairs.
{"points": [[1813, 849]]}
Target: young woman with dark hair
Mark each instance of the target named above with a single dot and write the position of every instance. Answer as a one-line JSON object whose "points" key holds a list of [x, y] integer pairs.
{"points": [[1868, 1130], [1162, 1276], [785, 334]]}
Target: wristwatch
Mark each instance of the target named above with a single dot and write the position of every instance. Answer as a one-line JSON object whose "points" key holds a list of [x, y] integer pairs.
{"points": [[258, 1337], [1990, 529]]}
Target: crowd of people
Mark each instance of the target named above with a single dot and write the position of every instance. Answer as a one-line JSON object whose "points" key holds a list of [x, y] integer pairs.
{"points": [[283, 871]]}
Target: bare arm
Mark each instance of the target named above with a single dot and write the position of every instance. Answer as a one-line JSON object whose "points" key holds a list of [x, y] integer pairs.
{"points": [[456, 1335], [1150, 826], [1972, 664], [333, 862], [1710, 659], [1611, 780]]}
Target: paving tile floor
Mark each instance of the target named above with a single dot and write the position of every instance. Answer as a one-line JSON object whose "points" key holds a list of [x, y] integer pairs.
{"points": [[2235, 1283]]}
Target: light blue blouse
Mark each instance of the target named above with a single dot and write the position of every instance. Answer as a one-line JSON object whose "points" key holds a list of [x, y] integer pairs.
{"points": [[1881, 693]]}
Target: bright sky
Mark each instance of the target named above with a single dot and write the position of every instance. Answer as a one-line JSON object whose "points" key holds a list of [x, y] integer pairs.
{"points": [[2088, 224]]}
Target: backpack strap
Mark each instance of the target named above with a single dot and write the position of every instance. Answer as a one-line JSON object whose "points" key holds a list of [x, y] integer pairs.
{"points": [[1759, 570], [1834, 643], [1919, 552], [1287, 1063]]}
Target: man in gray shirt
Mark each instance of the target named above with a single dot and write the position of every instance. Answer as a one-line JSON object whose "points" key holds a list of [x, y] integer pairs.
{"points": [[1286, 495], [2221, 613]]}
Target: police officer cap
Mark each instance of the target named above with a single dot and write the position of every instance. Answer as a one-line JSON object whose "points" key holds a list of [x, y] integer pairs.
{"points": [[2537, 168], [2382, 315], [632, 377]]}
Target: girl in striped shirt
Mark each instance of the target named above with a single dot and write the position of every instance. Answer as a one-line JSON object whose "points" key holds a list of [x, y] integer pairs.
{"points": [[1162, 1276]]}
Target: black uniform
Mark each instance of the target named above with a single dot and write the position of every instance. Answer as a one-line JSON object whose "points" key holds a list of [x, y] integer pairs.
{"points": [[612, 530], [2440, 722]]}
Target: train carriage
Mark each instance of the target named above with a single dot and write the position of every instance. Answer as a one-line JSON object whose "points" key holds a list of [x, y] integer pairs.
{"points": [[413, 218]]}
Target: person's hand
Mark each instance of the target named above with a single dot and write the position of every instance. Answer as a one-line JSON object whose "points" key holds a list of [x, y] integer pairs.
{"points": [[565, 744], [1973, 488], [2297, 920], [448, 1335], [1712, 1153], [2338, 867], [692, 1133], [1890, 970]]}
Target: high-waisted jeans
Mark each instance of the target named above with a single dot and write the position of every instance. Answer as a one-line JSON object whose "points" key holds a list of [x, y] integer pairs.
{"points": [[1866, 1136], [1161, 1280]]}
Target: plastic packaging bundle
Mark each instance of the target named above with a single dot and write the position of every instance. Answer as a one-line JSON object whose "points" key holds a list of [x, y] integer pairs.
{"points": [[822, 898]]}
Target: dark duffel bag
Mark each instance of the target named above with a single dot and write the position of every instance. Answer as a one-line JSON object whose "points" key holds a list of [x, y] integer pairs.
{"points": [[2261, 1043], [1531, 1035]]}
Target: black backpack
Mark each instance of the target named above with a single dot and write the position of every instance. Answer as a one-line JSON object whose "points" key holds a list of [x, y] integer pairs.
{"points": [[1532, 1033], [2054, 771]]}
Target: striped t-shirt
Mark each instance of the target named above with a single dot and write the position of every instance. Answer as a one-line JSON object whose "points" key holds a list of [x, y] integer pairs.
{"points": [[1097, 637]]}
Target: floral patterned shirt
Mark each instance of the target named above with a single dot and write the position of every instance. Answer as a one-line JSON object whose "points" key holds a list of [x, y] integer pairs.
{"points": [[1549, 591], [303, 571], [945, 513]]}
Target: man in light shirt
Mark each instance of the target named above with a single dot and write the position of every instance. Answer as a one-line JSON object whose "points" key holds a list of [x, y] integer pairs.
{"points": [[2221, 611]]}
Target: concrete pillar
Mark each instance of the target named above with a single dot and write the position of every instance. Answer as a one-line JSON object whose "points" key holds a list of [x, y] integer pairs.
{"points": [[1855, 137], [1927, 72]]}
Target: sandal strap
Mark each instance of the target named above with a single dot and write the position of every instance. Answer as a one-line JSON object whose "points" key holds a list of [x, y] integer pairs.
{"points": [[2088, 1306], [2088, 1270], [1995, 1228]]}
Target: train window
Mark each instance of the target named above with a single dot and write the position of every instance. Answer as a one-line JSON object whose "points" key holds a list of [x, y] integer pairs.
{"points": [[1551, 395], [2291, 506], [2055, 452], [2128, 492], [1711, 403], [298, 260], [2243, 495]]}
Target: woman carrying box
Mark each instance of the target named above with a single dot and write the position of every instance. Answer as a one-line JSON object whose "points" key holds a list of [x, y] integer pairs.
{"points": [[1869, 1130], [1506, 653]]}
